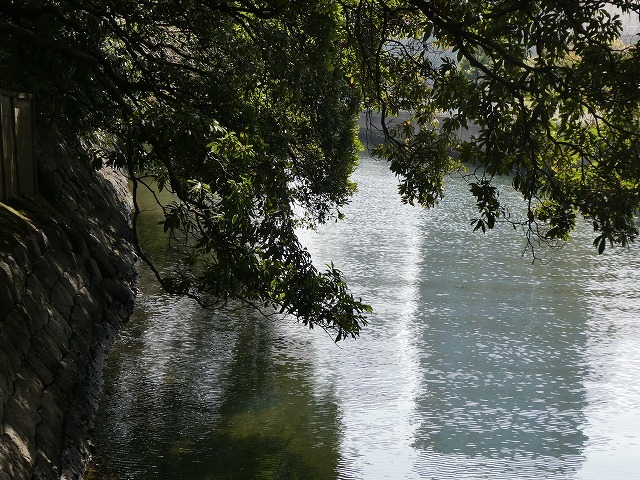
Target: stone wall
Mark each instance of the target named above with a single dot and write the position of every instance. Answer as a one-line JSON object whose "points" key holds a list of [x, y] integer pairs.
{"points": [[66, 283]]}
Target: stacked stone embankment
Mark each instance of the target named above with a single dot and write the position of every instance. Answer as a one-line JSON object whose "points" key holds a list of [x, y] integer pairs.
{"points": [[67, 275]]}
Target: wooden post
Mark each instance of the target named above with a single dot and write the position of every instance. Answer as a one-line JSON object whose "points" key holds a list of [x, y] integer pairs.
{"points": [[3, 176], [18, 171], [7, 144], [26, 171]]}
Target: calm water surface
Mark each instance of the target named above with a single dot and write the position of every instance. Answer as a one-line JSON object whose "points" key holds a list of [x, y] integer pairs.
{"points": [[476, 364]]}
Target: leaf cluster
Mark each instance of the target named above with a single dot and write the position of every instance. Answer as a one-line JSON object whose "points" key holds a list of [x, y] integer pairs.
{"points": [[242, 109], [547, 90]]}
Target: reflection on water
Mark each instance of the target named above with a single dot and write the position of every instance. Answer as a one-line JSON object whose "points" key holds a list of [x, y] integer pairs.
{"points": [[188, 397], [502, 357], [613, 389], [477, 364]]}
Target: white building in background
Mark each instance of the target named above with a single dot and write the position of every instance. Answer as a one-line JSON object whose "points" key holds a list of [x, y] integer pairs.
{"points": [[630, 22]]}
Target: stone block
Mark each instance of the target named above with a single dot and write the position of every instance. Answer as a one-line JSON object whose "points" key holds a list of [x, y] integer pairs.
{"points": [[7, 375], [57, 237], [27, 388], [117, 290], [103, 259], [46, 441], [6, 298], [77, 361], [70, 283], [6, 388], [79, 245], [37, 314], [51, 409], [43, 347], [86, 311], [70, 203], [80, 346], [66, 375], [77, 278], [37, 289], [50, 230], [98, 239], [7, 347], [16, 327], [81, 325], [13, 276], [44, 468], [61, 299], [59, 328], [80, 276], [14, 465], [6, 274], [87, 300], [58, 336], [43, 241], [47, 270], [24, 451], [21, 256], [19, 417], [65, 259], [44, 374], [93, 269], [32, 247], [74, 260]]}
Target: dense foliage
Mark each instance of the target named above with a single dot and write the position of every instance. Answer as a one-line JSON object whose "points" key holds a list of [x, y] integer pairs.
{"points": [[552, 88], [247, 110]]}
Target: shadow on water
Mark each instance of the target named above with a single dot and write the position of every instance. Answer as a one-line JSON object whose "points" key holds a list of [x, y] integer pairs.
{"points": [[270, 424], [242, 412], [192, 394]]}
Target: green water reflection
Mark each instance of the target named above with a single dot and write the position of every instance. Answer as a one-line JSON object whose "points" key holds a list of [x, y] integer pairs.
{"points": [[271, 425], [200, 395], [251, 414]]}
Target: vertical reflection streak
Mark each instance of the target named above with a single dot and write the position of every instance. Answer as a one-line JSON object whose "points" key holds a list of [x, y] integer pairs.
{"points": [[613, 390], [377, 376]]}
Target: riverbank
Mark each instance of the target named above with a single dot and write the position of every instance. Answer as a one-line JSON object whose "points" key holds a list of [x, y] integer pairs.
{"points": [[67, 279]]}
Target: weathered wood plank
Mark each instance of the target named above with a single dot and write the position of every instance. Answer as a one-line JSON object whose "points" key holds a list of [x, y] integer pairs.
{"points": [[18, 174]]}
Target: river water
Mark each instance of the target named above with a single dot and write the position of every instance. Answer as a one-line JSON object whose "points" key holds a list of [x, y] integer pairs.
{"points": [[476, 363]]}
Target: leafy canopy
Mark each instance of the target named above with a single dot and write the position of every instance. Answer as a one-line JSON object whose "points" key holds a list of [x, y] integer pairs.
{"points": [[247, 110], [550, 91]]}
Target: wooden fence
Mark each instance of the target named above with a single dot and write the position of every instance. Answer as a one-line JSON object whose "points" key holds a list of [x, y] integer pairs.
{"points": [[18, 174]]}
